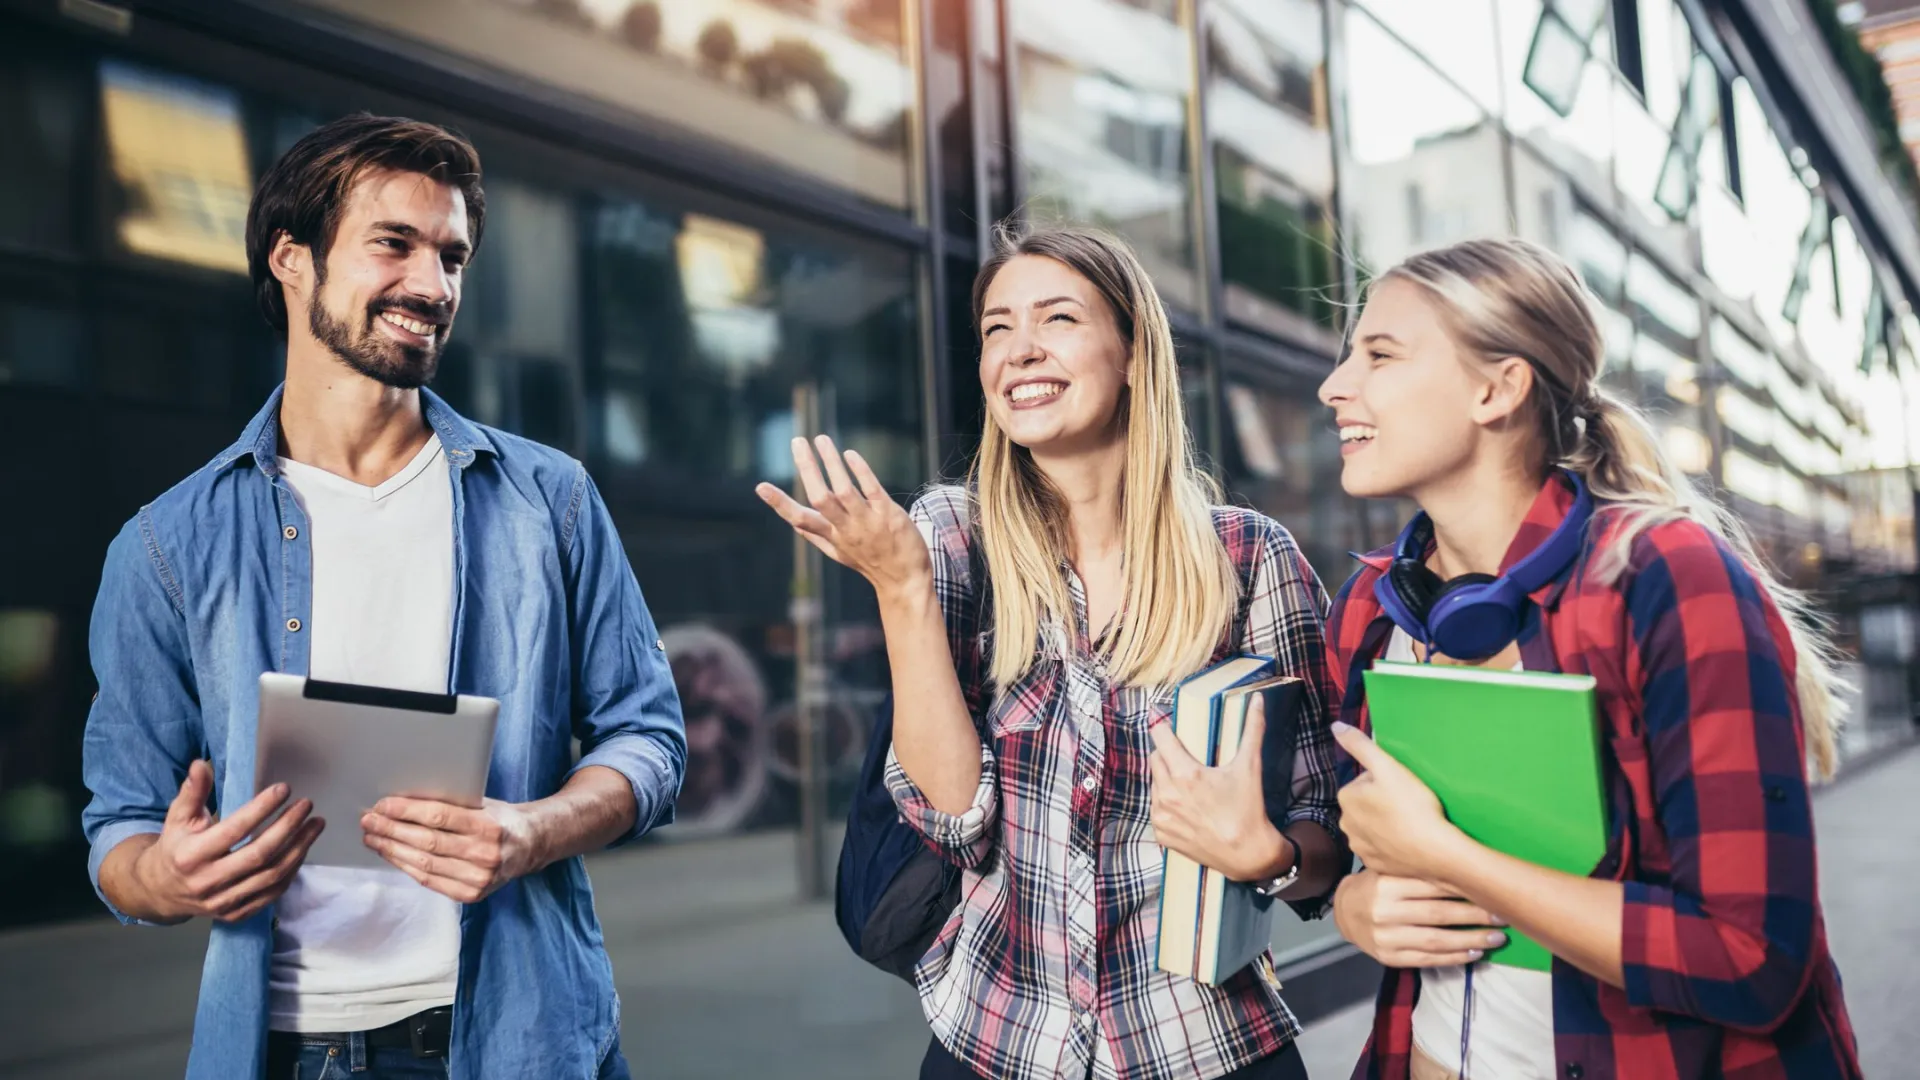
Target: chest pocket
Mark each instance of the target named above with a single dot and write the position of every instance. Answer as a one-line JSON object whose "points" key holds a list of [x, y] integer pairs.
{"points": [[1025, 709]]}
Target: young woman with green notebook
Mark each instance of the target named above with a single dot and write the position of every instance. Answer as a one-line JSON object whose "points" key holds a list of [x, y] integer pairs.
{"points": [[1556, 535]]}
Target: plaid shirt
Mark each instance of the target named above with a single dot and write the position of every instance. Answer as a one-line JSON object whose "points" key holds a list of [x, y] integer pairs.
{"points": [[1046, 968], [1722, 941]]}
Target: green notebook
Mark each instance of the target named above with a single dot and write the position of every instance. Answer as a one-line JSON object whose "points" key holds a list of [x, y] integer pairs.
{"points": [[1514, 757]]}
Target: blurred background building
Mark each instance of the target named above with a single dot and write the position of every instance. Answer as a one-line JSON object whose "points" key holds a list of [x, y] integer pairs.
{"points": [[716, 223]]}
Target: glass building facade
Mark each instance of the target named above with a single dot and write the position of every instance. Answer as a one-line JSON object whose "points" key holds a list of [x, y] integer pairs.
{"points": [[716, 223]]}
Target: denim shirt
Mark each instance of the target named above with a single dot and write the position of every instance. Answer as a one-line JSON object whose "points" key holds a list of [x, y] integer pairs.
{"points": [[210, 585]]}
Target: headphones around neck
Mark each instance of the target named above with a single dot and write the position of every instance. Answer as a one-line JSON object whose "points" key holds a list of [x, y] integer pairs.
{"points": [[1474, 616]]}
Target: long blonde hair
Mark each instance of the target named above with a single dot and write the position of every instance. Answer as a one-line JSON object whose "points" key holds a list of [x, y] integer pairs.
{"points": [[1510, 298], [1178, 588]]}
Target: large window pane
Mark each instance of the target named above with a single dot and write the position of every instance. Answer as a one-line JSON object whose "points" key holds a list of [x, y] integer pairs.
{"points": [[1581, 141], [1282, 456], [1456, 36], [1778, 205], [821, 89], [43, 101], [1103, 88], [1640, 143], [1426, 161], [722, 336], [1273, 156], [1666, 55]]}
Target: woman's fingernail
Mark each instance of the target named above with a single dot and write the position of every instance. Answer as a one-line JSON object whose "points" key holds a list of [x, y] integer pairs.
{"points": [[1498, 921], [1474, 954], [1340, 726], [1496, 939]]}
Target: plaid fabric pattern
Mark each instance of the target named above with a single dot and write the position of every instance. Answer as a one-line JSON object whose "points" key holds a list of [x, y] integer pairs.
{"points": [[1727, 968], [1046, 968]]}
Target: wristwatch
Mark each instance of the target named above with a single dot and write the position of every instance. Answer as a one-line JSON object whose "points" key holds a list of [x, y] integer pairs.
{"points": [[1275, 886]]}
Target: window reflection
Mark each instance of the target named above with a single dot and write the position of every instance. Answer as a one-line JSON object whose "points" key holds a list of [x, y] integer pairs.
{"points": [[820, 89], [1273, 161], [180, 162], [1580, 142], [1282, 456], [1427, 161], [1103, 88], [35, 808], [1745, 417], [714, 333], [1729, 243], [1778, 206], [1457, 36], [42, 104], [1640, 149]]}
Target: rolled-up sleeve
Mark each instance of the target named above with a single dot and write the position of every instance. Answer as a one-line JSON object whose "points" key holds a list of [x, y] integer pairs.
{"points": [[626, 711], [1728, 937], [964, 839], [1286, 620], [143, 729]]}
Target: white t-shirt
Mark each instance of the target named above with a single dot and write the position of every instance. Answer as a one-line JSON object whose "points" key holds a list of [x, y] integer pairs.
{"points": [[1512, 1034], [355, 949]]}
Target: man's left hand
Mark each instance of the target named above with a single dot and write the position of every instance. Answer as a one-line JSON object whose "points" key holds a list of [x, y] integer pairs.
{"points": [[455, 851]]}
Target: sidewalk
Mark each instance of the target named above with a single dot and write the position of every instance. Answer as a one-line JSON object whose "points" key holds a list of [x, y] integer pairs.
{"points": [[724, 976]]}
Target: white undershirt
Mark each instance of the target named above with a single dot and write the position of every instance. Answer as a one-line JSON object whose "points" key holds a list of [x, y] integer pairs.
{"points": [[1512, 1034], [356, 949]]}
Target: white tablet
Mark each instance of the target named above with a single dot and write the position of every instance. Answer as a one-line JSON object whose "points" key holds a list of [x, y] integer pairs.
{"points": [[346, 747]]}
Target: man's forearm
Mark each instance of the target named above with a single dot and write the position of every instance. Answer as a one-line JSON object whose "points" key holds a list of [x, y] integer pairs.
{"points": [[122, 885], [594, 808]]}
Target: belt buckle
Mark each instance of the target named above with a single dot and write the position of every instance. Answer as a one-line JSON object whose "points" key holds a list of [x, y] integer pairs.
{"points": [[429, 1032]]}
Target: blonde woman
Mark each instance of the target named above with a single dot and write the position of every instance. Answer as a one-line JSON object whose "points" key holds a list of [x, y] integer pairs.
{"points": [[1696, 947], [1025, 759]]}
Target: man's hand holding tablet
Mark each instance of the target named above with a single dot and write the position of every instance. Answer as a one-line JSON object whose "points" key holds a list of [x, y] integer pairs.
{"points": [[455, 851], [191, 866]]}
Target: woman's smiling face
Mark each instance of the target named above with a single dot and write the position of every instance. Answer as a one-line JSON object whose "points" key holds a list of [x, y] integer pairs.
{"points": [[1053, 363], [1404, 399]]}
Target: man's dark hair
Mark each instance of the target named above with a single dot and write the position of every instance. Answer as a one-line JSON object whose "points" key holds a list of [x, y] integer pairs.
{"points": [[305, 192]]}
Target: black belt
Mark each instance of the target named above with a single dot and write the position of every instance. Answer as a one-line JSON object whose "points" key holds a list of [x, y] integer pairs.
{"points": [[427, 1033]]}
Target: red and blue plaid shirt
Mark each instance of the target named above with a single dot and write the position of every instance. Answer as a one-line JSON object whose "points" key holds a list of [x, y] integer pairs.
{"points": [[1723, 944], [1046, 968]]}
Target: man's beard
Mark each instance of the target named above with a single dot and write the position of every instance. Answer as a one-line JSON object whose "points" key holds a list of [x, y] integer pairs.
{"points": [[380, 358]]}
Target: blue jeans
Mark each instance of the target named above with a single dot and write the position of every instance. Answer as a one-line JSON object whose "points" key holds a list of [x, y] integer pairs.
{"points": [[328, 1058], [334, 1058]]}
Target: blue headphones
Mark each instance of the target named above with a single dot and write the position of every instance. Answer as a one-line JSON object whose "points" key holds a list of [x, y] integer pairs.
{"points": [[1474, 616]]}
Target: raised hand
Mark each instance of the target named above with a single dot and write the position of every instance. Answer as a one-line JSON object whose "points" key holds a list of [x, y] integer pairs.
{"points": [[193, 867], [858, 525]]}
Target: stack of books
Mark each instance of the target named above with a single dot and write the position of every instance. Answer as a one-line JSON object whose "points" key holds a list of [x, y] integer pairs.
{"points": [[1211, 927]]}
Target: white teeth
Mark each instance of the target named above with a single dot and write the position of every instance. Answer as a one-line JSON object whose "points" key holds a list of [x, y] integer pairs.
{"points": [[1357, 433], [1032, 391], [413, 325]]}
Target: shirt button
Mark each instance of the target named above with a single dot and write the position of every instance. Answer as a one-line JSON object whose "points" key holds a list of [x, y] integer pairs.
{"points": [[1089, 783], [293, 626], [1574, 1071], [290, 533]]}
